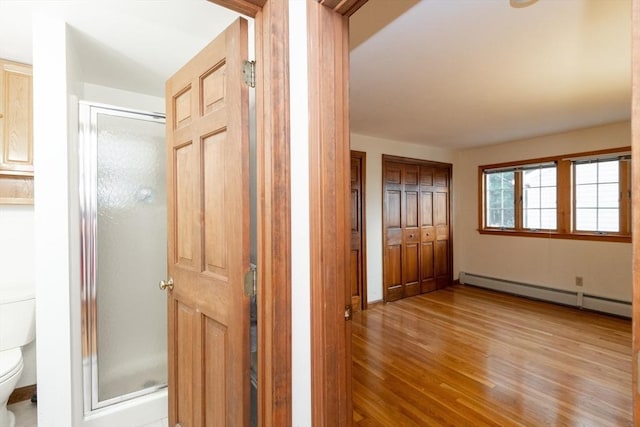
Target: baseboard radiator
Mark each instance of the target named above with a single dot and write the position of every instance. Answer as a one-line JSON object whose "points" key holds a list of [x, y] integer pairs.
{"points": [[558, 296]]}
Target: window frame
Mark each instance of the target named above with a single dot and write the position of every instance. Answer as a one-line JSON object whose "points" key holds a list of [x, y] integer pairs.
{"points": [[565, 194]]}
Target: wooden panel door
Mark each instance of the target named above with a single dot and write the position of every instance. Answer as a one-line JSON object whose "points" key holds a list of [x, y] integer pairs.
{"points": [[410, 229], [441, 215], [393, 221], [427, 231], [358, 250], [208, 235]]}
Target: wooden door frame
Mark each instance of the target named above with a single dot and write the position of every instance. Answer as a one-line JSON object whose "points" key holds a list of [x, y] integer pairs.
{"points": [[328, 30], [271, 19], [362, 156], [635, 202]]}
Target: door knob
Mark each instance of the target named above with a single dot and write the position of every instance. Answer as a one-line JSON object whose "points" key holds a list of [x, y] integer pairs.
{"points": [[166, 285]]}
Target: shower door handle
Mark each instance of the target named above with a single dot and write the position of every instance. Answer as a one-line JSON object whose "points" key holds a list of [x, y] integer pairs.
{"points": [[166, 285]]}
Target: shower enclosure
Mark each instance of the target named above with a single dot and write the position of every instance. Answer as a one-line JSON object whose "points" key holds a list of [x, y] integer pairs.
{"points": [[123, 217]]}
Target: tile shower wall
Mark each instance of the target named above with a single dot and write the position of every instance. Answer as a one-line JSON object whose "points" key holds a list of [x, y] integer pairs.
{"points": [[17, 266]]}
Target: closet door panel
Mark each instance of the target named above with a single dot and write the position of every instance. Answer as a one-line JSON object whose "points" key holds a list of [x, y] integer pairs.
{"points": [[442, 264], [427, 272], [410, 270], [393, 272], [411, 203], [440, 208], [393, 222]]}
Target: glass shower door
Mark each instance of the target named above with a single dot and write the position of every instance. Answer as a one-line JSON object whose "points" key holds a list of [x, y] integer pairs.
{"points": [[124, 236]]}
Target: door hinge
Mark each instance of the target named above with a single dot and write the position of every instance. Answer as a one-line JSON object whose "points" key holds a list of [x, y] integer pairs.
{"points": [[249, 73], [348, 312], [251, 281]]}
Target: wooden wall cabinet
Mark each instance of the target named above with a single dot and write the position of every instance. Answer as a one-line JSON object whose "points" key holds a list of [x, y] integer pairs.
{"points": [[16, 133], [418, 255]]}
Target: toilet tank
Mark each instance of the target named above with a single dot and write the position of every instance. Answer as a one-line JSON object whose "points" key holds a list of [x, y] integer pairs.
{"points": [[17, 316]]}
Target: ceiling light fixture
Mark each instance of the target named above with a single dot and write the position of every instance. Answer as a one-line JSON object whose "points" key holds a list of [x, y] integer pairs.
{"points": [[521, 3]]}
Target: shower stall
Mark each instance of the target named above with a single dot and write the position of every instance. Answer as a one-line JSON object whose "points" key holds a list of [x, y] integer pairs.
{"points": [[123, 232]]}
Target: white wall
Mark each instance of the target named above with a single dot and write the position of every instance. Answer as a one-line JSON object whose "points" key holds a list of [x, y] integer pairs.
{"points": [[57, 87], [375, 148], [51, 220], [605, 266], [17, 267], [300, 251]]}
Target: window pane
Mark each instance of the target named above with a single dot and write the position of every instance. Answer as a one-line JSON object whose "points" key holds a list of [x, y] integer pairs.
{"points": [[587, 219], [495, 180], [500, 199], [494, 218], [537, 195], [531, 198], [608, 220], [587, 196], [532, 218], [509, 218], [548, 219], [598, 202], [494, 198], [586, 173], [548, 197], [608, 195], [531, 178], [608, 171], [548, 177]]}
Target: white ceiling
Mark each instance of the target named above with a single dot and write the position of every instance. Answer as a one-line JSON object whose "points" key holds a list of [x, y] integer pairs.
{"points": [[459, 73], [133, 45], [449, 73]]}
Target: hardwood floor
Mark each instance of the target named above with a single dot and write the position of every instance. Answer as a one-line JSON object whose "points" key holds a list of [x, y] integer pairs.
{"points": [[464, 356]]}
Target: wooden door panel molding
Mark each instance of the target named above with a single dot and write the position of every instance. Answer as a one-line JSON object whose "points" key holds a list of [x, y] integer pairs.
{"points": [[208, 235], [426, 208], [216, 236], [185, 201]]}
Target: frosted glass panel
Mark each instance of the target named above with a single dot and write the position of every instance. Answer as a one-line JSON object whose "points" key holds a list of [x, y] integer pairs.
{"points": [[130, 255]]}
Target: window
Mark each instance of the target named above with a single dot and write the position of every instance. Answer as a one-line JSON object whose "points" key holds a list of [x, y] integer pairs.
{"points": [[501, 199], [597, 196], [521, 197], [582, 196], [539, 201]]}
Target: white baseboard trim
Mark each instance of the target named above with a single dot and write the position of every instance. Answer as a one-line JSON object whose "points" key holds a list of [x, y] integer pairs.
{"points": [[559, 296]]}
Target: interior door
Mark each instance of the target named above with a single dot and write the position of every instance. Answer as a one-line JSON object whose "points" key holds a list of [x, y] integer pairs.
{"points": [[208, 235], [357, 258]]}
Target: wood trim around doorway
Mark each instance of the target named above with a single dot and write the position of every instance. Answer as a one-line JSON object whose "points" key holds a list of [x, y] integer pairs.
{"points": [[329, 137], [635, 204], [329, 181], [274, 205]]}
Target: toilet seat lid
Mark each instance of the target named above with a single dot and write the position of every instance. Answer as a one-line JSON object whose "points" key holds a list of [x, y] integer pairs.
{"points": [[10, 362]]}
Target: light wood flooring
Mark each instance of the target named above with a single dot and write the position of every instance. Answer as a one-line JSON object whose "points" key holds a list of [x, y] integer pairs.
{"points": [[464, 356]]}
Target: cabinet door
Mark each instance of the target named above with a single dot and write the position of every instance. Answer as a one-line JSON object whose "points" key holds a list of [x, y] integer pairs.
{"points": [[16, 142]]}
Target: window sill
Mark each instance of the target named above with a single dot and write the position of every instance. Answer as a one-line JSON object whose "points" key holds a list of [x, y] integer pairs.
{"points": [[557, 235]]}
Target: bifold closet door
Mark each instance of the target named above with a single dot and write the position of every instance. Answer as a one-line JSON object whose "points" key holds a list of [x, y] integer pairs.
{"points": [[417, 252]]}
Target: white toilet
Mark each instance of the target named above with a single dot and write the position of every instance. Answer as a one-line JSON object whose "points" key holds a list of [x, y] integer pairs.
{"points": [[17, 328]]}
